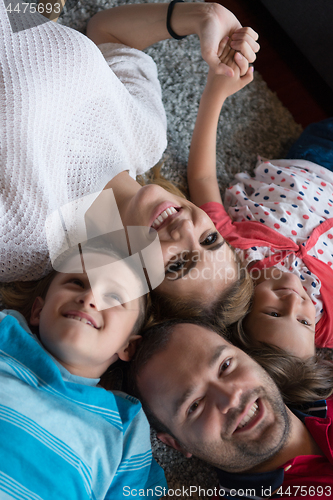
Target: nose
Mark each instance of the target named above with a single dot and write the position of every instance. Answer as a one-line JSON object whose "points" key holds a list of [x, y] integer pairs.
{"points": [[182, 229], [226, 396], [86, 298], [291, 301]]}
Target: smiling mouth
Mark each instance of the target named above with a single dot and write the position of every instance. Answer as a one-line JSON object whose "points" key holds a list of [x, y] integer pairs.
{"points": [[163, 217], [83, 320], [251, 414]]}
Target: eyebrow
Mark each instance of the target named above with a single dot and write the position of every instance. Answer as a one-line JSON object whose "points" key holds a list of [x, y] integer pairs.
{"points": [[179, 402], [193, 264]]}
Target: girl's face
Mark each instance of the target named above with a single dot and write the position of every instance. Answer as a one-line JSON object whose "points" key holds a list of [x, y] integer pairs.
{"points": [[197, 261], [82, 338], [283, 315]]}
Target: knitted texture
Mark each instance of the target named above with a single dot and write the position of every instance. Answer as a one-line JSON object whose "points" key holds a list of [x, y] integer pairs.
{"points": [[70, 120]]}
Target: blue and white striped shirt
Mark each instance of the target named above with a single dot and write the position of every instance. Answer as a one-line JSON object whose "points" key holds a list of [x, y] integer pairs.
{"points": [[62, 437]]}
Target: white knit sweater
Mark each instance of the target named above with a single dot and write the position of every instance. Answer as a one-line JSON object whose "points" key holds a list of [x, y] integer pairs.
{"points": [[70, 120]]}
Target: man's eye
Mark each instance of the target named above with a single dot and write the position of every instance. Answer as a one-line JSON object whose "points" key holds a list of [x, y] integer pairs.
{"points": [[210, 239], [225, 365], [193, 407], [304, 322], [274, 314]]}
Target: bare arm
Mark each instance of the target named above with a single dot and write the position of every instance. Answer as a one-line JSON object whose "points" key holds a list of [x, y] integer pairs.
{"points": [[142, 25], [201, 169]]}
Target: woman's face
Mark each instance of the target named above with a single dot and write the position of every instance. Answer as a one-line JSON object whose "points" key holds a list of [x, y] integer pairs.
{"points": [[198, 263]]}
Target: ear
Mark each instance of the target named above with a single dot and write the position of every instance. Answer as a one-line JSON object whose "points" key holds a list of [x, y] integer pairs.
{"points": [[128, 351], [36, 310], [173, 443]]}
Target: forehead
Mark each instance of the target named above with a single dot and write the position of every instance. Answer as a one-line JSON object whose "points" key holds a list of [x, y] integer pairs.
{"points": [[190, 351], [188, 365], [213, 273], [103, 267]]}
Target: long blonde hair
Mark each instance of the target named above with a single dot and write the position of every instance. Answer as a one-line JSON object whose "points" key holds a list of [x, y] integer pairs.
{"points": [[154, 176]]}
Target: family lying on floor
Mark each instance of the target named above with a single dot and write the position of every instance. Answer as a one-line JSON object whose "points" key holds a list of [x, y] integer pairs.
{"points": [[227, 339]]}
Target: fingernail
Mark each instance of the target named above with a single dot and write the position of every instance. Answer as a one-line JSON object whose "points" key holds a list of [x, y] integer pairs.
{"points": [[239, 55]]}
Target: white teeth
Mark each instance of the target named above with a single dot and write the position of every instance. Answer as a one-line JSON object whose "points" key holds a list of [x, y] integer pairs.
{"points": [[252, 411], [78, 318], [164, 215]]}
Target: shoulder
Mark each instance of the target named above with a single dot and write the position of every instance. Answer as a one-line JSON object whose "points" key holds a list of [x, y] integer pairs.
{"points": [[17, 316], [129, 409]]}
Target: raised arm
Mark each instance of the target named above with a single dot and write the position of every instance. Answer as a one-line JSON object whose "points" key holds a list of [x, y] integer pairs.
{"points": [[141, 25], [201, 169]]}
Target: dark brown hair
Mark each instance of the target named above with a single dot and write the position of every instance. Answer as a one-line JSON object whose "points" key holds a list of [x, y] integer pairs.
{"points": [[299, 380], [228, 307]]}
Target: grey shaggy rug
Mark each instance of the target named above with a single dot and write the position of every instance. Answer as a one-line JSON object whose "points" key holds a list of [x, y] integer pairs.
{"points": [[252, 122]]}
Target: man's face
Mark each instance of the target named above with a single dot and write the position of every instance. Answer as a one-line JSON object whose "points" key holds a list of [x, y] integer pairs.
{"points": [[218, 402]]}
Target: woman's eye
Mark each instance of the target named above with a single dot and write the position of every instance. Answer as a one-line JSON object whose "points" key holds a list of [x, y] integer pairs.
{"points": [[193, 407], [210, 239], [175, 266], [225, 365]]}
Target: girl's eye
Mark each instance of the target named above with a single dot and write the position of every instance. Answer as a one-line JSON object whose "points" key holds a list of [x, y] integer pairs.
{"points": [[193, 407], [274, 314], [304, 322], [225, 365], [210, 239]]}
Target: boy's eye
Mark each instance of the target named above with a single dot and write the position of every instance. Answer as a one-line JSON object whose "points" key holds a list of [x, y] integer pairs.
{"points": [[210, 239], [77, 281], [110, 297], [304, 322]]}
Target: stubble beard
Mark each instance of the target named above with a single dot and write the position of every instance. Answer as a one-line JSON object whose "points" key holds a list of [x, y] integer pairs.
{"points": [[244, 456]]}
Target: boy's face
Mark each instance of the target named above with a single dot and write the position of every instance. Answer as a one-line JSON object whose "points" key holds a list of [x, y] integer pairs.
{"points": [[84, 340], [283, 315]]}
